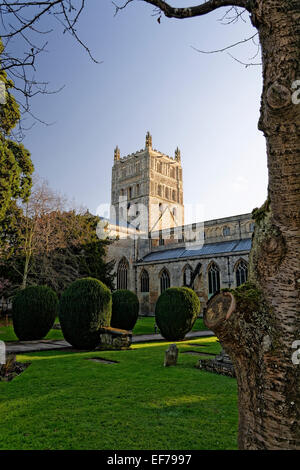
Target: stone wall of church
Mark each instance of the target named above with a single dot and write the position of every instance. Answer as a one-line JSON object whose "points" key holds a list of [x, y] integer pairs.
{"points": [[226, 263], [134, 250], [151, 179], [124, 249]]}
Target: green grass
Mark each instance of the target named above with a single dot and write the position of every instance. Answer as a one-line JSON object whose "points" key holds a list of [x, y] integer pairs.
{"points": [[144, 326], [7, 334], [63, 401]]}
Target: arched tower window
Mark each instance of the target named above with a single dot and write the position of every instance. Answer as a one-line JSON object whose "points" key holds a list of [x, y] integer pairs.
{"points": [[241, 272], [164, 280], [122, 274], [213, 279], [144, 281]]}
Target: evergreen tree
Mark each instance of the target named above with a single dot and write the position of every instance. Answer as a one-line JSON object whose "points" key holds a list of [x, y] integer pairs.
{"points": [[16, 166]]}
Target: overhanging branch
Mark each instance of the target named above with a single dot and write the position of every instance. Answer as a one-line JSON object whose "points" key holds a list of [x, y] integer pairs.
{"points": [[198, 10]]}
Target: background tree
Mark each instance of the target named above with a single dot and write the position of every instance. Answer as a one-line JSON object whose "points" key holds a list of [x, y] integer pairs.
{"points": [[260, 330], [15, 163], [68, 249], [55, 245]]}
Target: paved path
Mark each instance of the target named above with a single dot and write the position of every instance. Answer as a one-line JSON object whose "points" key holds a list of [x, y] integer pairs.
{"points": [[48, 344]]}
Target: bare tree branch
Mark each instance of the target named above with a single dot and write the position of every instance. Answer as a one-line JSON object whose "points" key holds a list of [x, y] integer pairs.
{"points": [[246, 64], [189, 12], [22, 21], [227, 47]]}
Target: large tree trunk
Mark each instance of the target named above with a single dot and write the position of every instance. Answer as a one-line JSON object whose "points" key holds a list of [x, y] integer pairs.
{"points": [[259, 334]]}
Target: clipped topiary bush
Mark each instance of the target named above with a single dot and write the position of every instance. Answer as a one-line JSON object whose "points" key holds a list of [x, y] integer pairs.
{"points": [[125, 309], [84, 307], [33, 312], [176, 311]]}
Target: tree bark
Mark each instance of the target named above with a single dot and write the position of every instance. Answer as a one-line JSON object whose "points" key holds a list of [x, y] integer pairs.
{"points": [[259, 339], [259, 336]]}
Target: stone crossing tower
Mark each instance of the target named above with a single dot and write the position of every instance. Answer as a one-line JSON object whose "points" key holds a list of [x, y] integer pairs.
{"points": [[147, 189]]}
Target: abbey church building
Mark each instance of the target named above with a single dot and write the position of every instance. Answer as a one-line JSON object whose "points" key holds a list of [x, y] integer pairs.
{"points": [[153, 249]]}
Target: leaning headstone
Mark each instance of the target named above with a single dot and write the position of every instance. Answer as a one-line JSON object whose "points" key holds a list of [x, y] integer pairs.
{"points": [[171, 356]]}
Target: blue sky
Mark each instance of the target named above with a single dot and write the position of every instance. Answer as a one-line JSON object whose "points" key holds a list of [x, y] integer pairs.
{"points": [[152, 79]]}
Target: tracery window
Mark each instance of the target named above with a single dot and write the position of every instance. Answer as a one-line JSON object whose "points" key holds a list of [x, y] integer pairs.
{"points": [[122, 274], [164, 280], [213, 279], [241, 273], [187, 275], [144, 281]]}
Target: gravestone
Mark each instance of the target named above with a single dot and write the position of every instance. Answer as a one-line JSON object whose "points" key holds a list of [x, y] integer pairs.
{"points": [[221, 364], [171, 356], [114, 338]]}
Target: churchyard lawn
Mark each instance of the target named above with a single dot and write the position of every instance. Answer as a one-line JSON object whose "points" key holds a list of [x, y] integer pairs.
{"points": [[64, 401]]}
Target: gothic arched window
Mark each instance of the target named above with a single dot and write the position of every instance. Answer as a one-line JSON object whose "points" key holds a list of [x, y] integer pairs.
{"points": [[164, 280], [187, 275], [213, 279], [144, 281], [241, 273], [122, 274]]}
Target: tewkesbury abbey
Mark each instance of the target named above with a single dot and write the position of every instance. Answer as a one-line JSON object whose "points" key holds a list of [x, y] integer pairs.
{"points": [[153, 249]]}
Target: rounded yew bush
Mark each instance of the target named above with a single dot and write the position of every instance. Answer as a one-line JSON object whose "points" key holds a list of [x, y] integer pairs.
{"points": [[125, 309], [84, 307], [33, 312], [176, 311]]}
